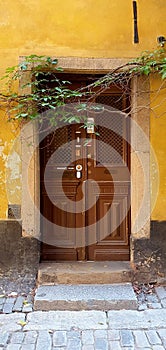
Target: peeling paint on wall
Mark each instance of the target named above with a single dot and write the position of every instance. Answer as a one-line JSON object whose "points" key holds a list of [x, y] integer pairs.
{"points": [[13, 164]]}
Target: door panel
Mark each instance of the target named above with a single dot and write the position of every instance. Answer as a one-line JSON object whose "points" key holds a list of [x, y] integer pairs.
{"points": [[111, 172], [110, 237], [61, 193], [92, 220]]}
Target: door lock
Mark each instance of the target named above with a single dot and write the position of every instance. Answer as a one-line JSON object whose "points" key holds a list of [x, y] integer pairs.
{"points": [[78, 171]]}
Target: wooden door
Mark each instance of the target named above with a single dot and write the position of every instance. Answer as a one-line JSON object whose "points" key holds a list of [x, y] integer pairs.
{"points": [[94, 223], [108, 221]]}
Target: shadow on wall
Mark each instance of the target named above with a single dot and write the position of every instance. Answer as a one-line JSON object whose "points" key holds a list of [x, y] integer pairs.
{"points": [[16, 252]]}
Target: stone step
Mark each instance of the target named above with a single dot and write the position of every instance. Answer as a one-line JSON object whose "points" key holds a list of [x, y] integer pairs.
{"points": [[85, 297], [90, 272]]}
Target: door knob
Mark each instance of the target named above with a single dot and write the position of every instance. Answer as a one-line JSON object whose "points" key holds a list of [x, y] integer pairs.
{"points": [[78, 171]]}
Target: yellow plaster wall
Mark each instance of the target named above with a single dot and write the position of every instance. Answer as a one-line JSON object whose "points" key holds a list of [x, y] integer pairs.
{"points": [[80, 28], [10, 165]]}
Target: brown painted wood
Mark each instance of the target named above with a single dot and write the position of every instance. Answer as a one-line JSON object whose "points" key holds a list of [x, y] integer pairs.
{"points": [[60, 242], [113, 183]]}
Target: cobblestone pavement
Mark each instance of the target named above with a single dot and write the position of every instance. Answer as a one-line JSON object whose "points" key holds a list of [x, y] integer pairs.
{"points": [[149, 297], [84, 330], [16, 291], [12, 281], [22, 329]]}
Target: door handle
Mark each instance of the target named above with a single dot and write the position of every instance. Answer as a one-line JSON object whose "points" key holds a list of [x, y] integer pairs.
{"points": [[65, 168], [78, 171], [61, 168]]}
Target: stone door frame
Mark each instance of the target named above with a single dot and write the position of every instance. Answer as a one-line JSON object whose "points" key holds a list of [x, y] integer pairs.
{"points": [[140, 149]]}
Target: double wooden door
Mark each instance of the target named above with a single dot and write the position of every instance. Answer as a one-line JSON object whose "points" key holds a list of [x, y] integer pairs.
{"points": [[85, 188]]}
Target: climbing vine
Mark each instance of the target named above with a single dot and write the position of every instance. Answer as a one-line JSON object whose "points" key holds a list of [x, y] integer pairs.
{"points": [[41, 88]]}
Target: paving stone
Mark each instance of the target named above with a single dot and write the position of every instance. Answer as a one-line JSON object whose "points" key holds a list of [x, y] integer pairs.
{"points": [[44, 341], [161, 292], [126, 338], [7, 308], [85, 297], [59, 338], [131, 319], [162, 334], [18, 304], [141, 339], [2, 300], [14, 347], [113, 335], [142, 307], [30, 347], [141, 297], [17, 338], [27, 308], [88, 347], [30, 337], [100, 333], [101, 344], [10, 300], [154, 306], [74, 344], [114, 345], [153, 337], [30, 298], [74, 334], [158, 347], [4, 336], [163, 303], [151, 298], [66, 320], [87, 337], [11, 322]]}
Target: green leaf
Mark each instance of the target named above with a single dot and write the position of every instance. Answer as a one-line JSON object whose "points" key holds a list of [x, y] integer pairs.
{"points": [[54, 61], [49, 60], [66, 82], [34, 56], [11, 69], [24, 115], [58, 89], [163, 75], [4, 77], [60, 69], [73, 119], [23, 66]]}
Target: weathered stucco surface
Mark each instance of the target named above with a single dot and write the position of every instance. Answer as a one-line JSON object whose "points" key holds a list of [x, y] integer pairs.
{"points": [[92, 28], [102, 32]]}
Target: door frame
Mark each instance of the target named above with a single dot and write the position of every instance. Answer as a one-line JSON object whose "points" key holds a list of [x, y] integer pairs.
{"points": [[140, 113]]}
